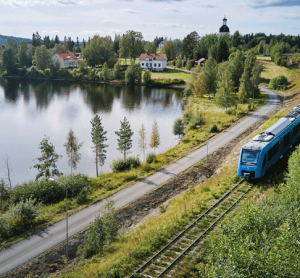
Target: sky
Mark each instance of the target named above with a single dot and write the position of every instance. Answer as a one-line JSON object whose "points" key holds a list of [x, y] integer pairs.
{"points": [[163, 18]]}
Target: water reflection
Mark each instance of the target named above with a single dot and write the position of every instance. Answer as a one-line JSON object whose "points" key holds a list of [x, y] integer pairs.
{"points": [[30, 109]]}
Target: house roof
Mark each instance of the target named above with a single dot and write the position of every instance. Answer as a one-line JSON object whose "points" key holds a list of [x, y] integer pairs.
{"points": [[65, 56], [159, 57], [201, 60]]}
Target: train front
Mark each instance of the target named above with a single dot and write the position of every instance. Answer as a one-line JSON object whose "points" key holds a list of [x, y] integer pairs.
{"points": [[249, 161]]}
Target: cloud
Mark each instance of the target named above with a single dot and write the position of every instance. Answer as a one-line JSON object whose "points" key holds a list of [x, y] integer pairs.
{"points": [[107, 21], [90, 32], [165, 0], [114, 31], [201, 27], [32, 3], [172, 9], [130, 11], [274, 3], [295, 17], [174, 25], [209, 6], [51, 32]]}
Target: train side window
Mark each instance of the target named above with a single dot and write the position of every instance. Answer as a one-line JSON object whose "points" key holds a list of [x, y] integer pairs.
{"points": [[286, 140], [277, 147], [270, 154], [265, 161]]}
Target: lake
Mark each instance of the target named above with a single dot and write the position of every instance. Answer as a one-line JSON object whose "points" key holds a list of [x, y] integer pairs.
{"points": [[31, 109]]}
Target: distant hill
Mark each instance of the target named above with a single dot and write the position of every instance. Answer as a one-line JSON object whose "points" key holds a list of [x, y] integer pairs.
{"points": [[3, 39]]}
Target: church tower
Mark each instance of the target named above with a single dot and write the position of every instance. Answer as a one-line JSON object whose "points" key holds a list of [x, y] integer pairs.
{"points": [[224, 28]]}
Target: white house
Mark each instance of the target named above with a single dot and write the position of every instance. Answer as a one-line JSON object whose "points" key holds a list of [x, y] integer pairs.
{"points": [[161, 44], [153, 62], [66, 60]]}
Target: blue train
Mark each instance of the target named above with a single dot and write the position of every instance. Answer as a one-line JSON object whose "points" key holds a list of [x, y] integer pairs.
{"points": [[266, 148]]}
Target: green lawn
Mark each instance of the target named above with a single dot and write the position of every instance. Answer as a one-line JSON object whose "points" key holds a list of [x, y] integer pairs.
{"points": [[171, 73]]}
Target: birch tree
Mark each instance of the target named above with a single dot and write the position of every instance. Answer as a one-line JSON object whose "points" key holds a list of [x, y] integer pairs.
{"points": [[72, 149], [154, 139], [142, 139]]}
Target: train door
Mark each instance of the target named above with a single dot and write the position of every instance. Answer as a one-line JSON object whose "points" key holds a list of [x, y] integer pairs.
{"points": [[281, 147], [291, 138]]}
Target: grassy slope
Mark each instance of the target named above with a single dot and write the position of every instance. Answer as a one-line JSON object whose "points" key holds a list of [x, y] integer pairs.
{"points": [[127, 251]]}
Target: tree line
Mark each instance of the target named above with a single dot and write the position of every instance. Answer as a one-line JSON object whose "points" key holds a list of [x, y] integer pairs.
{"points": [[47, 167], [98, 50]]}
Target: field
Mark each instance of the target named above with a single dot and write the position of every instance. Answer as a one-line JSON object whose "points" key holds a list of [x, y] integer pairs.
{"points": [[172, 74], [271, 70]]}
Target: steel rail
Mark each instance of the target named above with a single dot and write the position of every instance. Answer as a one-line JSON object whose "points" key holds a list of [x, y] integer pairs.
{"points": [[203, 234], [186, 229]]}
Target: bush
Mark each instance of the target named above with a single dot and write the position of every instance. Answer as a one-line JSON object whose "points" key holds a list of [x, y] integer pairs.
{"points": [[105, 227], [214, 129], [167, 81], [134, 162], [48, 192], [151, 157], [94, 241], [178, 127], [4, 190], [179, 63], [196, 121], [18, 218], [190, 64], [120, 165], [278, 81], [147, 77], [187, 92]]}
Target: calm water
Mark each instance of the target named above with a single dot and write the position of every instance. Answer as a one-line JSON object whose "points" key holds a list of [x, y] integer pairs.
{"points": [[30, 110]]}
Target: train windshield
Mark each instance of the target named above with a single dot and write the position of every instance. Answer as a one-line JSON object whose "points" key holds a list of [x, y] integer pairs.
{"points": [[250, 157]]}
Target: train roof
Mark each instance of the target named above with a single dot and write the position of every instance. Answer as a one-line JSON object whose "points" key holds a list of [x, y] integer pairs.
{"points": [[262, 139]]}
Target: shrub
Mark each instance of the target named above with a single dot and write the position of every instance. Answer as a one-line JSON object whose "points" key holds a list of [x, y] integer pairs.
{"points": [[278, 81], [196, 121], [105, 227], [190, 64], [120, 165], [151, 157], [18, 218], [49, 192], [147, 77], [178, 127], [83, 195], [167, 81], [134, 162], [94, 241], [214, 129], [179, 63], [187, 92], [4, 190]]}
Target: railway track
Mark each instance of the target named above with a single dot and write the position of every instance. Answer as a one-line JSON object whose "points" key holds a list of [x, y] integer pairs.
{"points": [[162, 264]]}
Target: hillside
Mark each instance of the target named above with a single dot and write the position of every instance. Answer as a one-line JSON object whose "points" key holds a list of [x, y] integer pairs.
{"points": [[3, 39]]}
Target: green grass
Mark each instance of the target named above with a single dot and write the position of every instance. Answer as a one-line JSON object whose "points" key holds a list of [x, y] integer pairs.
{"points": [[171, 73], [131, 248], [271, 70]]}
